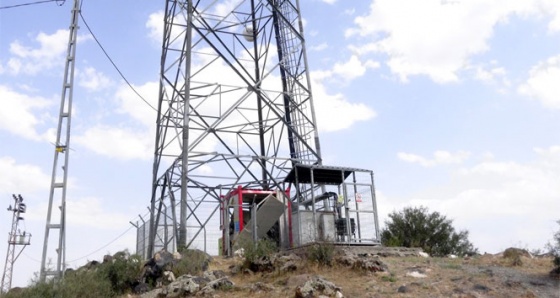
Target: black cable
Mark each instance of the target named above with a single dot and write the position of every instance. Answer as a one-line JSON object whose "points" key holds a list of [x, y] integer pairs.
{"points": [[33, 3], [113, 63]]}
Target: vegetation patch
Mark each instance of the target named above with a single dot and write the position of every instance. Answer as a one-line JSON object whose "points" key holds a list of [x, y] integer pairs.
{"points": [[321, 253], [257, 252], [193, 262], [431, 231]]}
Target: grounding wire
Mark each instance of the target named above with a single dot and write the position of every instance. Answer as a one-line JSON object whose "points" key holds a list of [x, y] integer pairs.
{"points": [[32, 3], [113, 63]]}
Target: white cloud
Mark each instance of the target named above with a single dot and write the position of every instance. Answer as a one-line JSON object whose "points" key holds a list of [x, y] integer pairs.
{"points": [[92, 212], [345, 72], [48, 55], [131, 104], [120, 143], [542, 83], [319, 47], [336, 106], [18, 114], [350, 11], [550, 8], [155, 26], [132, 138], [21, 177], [491, 73], [497, 200], [88, 212], [329, 1], [93, 80], [437, 39], [352, 69], [439, 157]]}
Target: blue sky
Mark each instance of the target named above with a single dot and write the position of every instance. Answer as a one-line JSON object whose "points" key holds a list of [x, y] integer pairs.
{"points": [[454, 104]]}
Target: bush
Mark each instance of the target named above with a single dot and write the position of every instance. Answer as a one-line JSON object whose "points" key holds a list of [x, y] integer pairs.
{"points": [[433, 232], [554, 248], [86, 283], [122, 272], [110, 279], [193, 262], [321, 253], [514, 256], [35, 290], [263, 248]]}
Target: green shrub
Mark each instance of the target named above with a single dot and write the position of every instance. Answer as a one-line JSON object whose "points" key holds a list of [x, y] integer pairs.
{"points": [[122, 272], [389, 278], [431, 231], [193, 262], [35, 290], [554, 248], [321, 253], [264, 248], [86, 284]]}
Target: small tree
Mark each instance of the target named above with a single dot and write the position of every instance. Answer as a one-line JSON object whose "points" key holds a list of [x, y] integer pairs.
{"points": [[433, 232], [554, 248]]}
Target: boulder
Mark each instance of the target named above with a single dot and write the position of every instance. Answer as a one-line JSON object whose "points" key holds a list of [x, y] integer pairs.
{"points": [[218, 284], [366, 263], [107, 259], [317, 286], [262, 264], [287, 263], [423, 254], [214, 274], [513, 252], [418, 272], [141, 288], [371, 265], [184, 285], [158, 269]]}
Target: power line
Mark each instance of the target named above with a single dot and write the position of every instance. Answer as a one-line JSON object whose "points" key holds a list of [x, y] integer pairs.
{"points": [[58, 2], [113, 63], [31, 258], [110, 242]]}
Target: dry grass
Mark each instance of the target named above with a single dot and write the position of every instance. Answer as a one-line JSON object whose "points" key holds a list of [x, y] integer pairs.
{"points": [[482, 276]]}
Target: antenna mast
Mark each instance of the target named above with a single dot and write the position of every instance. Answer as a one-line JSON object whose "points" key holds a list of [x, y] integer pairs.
{"points": [[59, 180]]}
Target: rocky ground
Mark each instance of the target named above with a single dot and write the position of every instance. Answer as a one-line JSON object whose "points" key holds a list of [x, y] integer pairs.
{"points": [[370, 272]]}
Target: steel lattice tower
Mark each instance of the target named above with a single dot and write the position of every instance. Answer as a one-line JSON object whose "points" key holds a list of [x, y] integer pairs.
{"points": [[235, 107], [15, 238], [61, 156]]}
